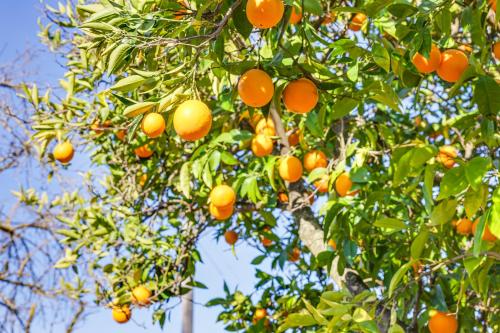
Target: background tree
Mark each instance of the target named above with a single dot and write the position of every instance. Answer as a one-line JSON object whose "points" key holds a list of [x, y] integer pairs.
{"points": [[235, 115]]}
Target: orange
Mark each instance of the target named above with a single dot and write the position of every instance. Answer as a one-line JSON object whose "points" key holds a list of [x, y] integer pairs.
{"points": [[332, 244], [300, 96], [446, 156], [441, 322], [265, 14], [231, 237], [427, 65], [121, 314], [493, 4], [121, 135], [357, 22], [64, 152], [266, 242], [487, 235], [143, 151], [153, 125], [143, 179], [322, 184], [453, 64], [294, 138], [221, 214], [294, 256], [315, 159], [141, 296], [192, 120], [343, 184], [259, 314], [464, 226], [262, 145], [290, 169], [266, 127], [256, 88], [296, 15], [222, 196], [283, 197], [496, 50]]}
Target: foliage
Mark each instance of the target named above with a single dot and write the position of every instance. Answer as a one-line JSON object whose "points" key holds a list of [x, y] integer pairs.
{"points": [[397, 253]]}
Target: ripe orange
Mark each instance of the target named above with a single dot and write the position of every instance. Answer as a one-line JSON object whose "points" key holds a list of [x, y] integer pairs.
{"points": [[290, 169], [487, 235], [259, 314], [266, 242], [300, 96], [192, 120], [294, 138], [153, 125], [315, 159], [446, 156], [357, 22], [332, 244], [262, 145], [464, 226], [322, 184], [441, 322], [296, 15], [144, 151], [222, 196], [343, 184], [427, 65], [231, 237], [266, 127], [141, 296], [121, 135], [265, 14], [221, 214], [121, 314], [294, 256], [256, 88], [453, 64], [496, 50], [283, 197], [493, 4], [64, 152]]}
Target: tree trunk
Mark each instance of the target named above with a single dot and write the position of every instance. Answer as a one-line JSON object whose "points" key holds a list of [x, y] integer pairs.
{"points": [[187, 312]]}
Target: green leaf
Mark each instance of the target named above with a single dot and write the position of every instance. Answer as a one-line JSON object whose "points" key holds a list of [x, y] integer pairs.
{"points": [[398, 276], [343, 107], [427, 187], [360, 315], [396, 329], [117, 57], [453, 182], [129, 83], [390, 223], [381, 57], [495, 213], [240, 21], [444, 212], [487, 95], [315, 313], [228, 158], [418, 244], [402, 10], [138, 109], [478, 237], [185, 179], [474, 200], [313, 7], [297, 320], [475, 170]]}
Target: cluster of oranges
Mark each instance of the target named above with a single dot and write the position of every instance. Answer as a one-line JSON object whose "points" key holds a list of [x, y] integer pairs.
{"points": [[466, 227], [449, 65], [222, 200], [140, 296]]}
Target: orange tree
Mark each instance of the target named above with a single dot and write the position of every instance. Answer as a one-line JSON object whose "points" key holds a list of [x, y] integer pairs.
{"points": [[234, 116]]}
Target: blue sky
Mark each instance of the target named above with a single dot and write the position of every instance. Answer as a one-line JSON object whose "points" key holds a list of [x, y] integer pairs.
{"points": [[18, 31]]}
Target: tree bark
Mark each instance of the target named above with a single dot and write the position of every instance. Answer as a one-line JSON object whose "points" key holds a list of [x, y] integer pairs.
{"points": [[187, 312]]}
